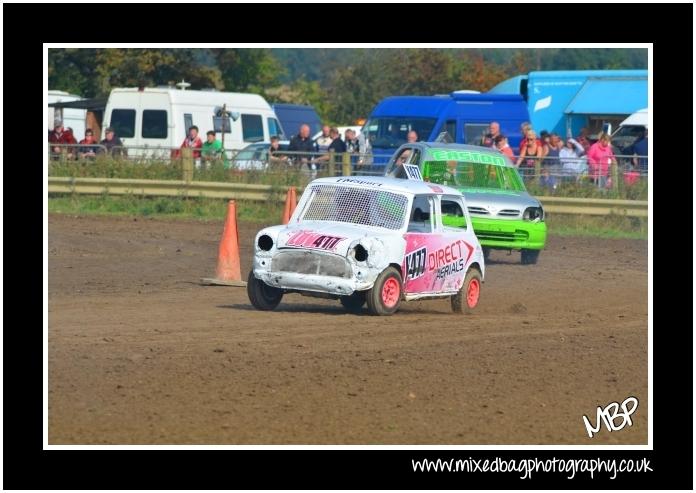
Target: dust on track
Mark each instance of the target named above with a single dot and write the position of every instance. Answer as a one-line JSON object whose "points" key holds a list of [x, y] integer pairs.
{"points": [[140, 353]]}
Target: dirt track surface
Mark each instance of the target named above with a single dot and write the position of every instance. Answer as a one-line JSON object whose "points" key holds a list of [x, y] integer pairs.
{"points": [[139, 353]]}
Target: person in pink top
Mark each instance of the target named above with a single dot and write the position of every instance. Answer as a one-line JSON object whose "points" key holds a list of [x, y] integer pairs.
{"points": [[599, 159]]}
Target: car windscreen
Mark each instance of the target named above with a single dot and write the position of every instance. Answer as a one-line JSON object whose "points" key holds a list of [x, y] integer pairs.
{"points": [[252, 152], [391, 132], [626, 136], [355, 205], [465, 174]]}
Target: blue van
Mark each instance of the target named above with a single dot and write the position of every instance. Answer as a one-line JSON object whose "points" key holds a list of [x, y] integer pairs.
{"points": [[464, 115], [292, 116]]}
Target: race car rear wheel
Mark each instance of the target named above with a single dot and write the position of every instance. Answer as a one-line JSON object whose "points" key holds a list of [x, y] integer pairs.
{"points": [[486, 253], [354, 302], [261, 295], [466, 300], [530, 257], [385, 295]]}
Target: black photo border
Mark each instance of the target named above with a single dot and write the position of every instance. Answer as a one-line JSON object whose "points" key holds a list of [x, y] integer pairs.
{"points": [[26, 27]]}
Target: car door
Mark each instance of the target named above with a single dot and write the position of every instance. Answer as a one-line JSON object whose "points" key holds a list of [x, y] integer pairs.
{"points": [[459, 240], [429, 250]]}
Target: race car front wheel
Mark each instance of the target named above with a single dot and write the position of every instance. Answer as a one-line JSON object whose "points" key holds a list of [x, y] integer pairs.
{"points": [[466, 300], [261, 295], [385, 295], [354, 302], [530, 257]]}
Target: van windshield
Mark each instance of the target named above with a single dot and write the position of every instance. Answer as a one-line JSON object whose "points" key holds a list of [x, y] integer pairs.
{"points": [[626, 136], [390, 132], [473, 175]]}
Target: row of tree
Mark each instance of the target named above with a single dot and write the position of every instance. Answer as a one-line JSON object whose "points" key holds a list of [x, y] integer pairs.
{"points": [[342, 84]]}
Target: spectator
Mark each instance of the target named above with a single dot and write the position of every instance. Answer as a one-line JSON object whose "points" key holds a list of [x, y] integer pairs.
{"points": [[87, 151], [584, 139], [274, 155], [112, 143], [489, 138], [599, 159], [501, 143], [211, 150], [524, 128], [62, 137], [551, 163], [545, 140], [352, 143], [412, 137], [304, 144], [193, 141], [324, 140], [553, 149], [337, 145], [531, 152], [573, 164], [640, 149]]}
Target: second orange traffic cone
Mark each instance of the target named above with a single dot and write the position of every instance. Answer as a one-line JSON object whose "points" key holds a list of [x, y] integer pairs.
{"points": [[290, 204], [228, 271]]}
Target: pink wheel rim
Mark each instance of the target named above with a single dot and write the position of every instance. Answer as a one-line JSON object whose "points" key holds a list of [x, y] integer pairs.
{"points": [[390, 292], [472, 293]]}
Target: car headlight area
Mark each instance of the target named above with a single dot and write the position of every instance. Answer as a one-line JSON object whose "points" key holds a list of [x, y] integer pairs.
{"points": [[533, 214]]}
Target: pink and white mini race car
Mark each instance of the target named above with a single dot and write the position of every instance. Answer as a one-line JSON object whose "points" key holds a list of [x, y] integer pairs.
{"points": [[371, 240]]}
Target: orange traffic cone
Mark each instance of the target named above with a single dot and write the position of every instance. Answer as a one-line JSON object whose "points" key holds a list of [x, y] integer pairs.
{"points": [[290, 204], [228, 271]]}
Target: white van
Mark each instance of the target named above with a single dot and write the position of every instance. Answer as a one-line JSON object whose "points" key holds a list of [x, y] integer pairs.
{"points": [[630, 129], [161, 117], [72, 117]]}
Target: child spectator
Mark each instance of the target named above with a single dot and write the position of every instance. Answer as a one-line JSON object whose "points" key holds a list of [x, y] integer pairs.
{"points": [[87, 151], [212, 150]]}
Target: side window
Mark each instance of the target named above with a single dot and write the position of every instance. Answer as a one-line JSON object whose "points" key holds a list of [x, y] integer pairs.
{"points": [[474, 133], [221, 124], [452, 213], [188, 122], [154, 124], [274, 128], [123, 122], [252, 128], [421, 218], [450, 126]]}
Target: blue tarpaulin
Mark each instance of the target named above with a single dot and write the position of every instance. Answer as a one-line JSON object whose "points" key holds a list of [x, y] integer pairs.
{"points": [[610, 97]]}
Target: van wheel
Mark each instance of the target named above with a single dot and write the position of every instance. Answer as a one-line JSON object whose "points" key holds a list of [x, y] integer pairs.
{"points": [[261, 295], [466, 300], [530, 256], [354, 302], [385, 295]]}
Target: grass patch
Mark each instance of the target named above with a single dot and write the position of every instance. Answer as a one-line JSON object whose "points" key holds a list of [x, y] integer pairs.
{"points": [[160, 207], [612, 226], [269, 212], [584, 188]]}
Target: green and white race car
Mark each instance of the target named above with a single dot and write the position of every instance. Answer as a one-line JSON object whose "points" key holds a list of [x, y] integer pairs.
{"points": [[504, 215]]}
